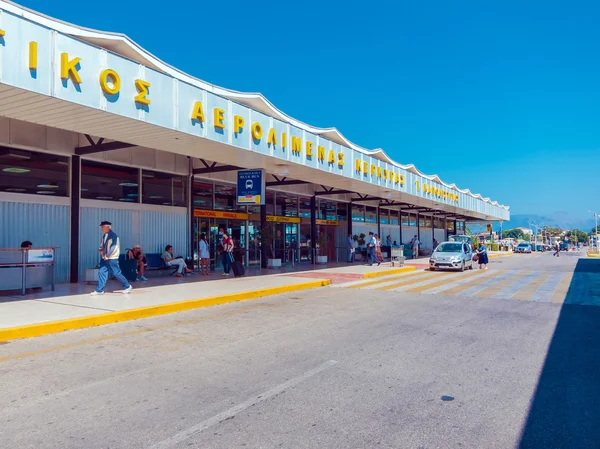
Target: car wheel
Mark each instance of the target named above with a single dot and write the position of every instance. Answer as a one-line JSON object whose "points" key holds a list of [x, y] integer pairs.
{"points": [[462, 267], [431, 268]]}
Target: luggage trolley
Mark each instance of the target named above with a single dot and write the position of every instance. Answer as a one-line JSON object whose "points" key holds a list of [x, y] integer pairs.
{"points": [[397, 256]]}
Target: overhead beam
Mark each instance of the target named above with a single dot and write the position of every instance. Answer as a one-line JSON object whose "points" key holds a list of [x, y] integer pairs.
{"points": [[286, 182], [333, 192], [215, 169], [101, 146]]}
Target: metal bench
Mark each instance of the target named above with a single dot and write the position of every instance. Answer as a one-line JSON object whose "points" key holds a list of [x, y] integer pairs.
{"points": [[156, 264]]}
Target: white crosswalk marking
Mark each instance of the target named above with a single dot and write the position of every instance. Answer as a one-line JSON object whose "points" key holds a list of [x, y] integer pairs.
{"points": [[521, 285]]}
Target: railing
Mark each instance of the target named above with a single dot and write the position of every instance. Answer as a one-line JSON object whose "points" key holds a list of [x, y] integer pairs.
{"points": [[26, 268]]}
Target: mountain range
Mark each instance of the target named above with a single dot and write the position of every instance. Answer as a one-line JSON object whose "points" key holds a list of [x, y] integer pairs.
{"points": [[561, 220]]}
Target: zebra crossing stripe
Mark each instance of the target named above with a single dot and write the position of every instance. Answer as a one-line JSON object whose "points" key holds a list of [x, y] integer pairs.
{"points": [[431, 285], [487, 284], [516, 285], [380, 281], [545, 292], [460, 289], [419, 280], [526, 292], [562, 288], [457, 283]]}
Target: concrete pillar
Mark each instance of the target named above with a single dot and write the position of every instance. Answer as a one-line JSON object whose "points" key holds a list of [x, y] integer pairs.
{"points": [[313, 228], [75, 218]]}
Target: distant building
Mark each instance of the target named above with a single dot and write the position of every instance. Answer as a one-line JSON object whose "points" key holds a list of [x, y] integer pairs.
{"points": [[525, 231]]}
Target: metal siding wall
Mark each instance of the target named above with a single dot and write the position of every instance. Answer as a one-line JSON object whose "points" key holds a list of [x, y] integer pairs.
{"points": [[159, 229], [43, 224], [124, 222]]}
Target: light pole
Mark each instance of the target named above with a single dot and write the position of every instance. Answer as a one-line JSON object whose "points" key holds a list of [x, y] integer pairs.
{"points": [[596, 227], [533, 225]]}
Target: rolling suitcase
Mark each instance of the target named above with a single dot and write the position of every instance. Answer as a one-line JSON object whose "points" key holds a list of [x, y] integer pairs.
{"points": [[238, 269]]}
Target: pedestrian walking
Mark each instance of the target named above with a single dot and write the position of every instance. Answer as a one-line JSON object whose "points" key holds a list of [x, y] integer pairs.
{"points": [[415, 246], [378, 254], [351, 249], [482, 256], [227, 255], [109, 251], [204, 254], [371, 248], [557, 250]]}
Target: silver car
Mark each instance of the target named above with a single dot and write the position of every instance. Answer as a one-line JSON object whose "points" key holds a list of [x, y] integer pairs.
{"points": [[452, 255]]}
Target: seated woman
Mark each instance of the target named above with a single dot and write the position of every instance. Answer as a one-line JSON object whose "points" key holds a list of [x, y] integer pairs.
{"points": [[172, 261]]}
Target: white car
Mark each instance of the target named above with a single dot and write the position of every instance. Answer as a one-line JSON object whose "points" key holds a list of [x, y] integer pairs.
{"points": [[452, 255]]}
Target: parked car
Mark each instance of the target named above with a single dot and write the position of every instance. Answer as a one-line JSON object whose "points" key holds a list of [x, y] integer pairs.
{"points": [[462, 238], [523, 248], [452, 255]]}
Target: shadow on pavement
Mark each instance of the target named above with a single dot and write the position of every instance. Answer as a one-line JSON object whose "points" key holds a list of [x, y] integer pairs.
{"points": [[565, 410]]}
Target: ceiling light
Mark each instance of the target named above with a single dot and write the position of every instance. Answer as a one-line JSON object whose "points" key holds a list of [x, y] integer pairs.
{"points": [[45, 192], [16, 154], [125, 199], [155, 197], [47, 186], [132, 194], [128, 184], [15, 170], [84, 190]]}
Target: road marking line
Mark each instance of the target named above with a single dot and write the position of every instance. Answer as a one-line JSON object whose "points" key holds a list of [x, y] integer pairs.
{"points": [[429, 286], [506, 290], [546, 290], [460, 289], [388, 279], [451, 284], [230, 413], [527, 292], [427, 276], [560, 293], [492, 287]]}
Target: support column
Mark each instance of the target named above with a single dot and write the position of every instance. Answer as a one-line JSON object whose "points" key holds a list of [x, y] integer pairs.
{"points": [[378, 222], [432, 230], [75, 218], [455, 233], [263, 245], [313, 228], [190, 206], [418, 228], [349, 213], [400, 223]]}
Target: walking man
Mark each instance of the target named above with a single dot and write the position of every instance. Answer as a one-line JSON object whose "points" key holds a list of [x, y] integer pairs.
{"points": [[371, 246], [350, 248], [415, 247], [109, 251], [557, 250]]}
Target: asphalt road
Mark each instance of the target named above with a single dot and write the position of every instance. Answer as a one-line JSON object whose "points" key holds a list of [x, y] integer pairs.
{"points": [[327, 368]]}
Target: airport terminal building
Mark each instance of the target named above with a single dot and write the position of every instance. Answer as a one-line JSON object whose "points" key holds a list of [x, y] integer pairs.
{"points": [[93, 128]]}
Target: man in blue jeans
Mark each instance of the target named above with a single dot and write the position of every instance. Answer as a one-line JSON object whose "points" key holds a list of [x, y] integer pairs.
{"points": [[371, 246], [109, 251]]}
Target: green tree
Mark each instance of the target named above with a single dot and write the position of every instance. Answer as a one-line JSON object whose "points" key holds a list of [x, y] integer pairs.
{"points": [[577, 236], [514, 234]]}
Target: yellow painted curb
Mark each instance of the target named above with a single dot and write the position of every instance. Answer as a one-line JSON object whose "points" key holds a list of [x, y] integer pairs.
{"points": [[376, 274], [492, 256], [53, 327], [593, 255]]}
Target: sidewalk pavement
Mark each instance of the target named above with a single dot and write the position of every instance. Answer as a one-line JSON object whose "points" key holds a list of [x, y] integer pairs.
{"points": [[71, 306]]}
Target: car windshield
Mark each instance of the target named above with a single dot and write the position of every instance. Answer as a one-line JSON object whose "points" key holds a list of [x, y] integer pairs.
{"points": [[523, 245], [449, 248]]}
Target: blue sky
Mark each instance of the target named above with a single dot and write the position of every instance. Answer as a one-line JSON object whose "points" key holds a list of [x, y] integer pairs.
{"points": [[503, 99]]}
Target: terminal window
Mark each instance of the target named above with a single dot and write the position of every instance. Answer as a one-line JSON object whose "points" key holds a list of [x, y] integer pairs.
{"points": [[33, 173]]}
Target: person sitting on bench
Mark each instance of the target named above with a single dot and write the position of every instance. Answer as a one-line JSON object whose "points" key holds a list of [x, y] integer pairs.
{"points": [[137, 254], [172, 261]]}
